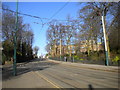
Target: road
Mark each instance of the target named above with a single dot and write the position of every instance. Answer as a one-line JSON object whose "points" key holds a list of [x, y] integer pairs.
{"points": [[51, 74]]}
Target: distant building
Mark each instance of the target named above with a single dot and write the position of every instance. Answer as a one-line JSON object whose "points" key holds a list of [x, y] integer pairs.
{"points": [[91, 45], [83, 47]]}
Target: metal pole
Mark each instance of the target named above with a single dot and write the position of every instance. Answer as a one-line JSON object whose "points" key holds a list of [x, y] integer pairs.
{"points": [[73, 59], [16, 28], [60, 48], [105, 41]]}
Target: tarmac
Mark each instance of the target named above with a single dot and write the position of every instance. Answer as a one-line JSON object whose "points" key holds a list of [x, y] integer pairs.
{"points": [[38, 78], [90, 66]]}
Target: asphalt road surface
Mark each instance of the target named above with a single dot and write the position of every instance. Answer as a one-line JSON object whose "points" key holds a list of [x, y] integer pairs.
{"points": [[50, 74]]}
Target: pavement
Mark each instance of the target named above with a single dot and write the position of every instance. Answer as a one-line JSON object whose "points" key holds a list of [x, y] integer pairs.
{"points": [[59, 74]]}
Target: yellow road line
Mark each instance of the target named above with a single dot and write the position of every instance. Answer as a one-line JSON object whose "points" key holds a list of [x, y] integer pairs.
{"points": [[54, 84]]}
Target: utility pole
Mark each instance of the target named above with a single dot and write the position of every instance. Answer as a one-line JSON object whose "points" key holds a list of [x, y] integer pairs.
{"points": [[60, 48], [16, 28], [105, 40], [60, 44]]}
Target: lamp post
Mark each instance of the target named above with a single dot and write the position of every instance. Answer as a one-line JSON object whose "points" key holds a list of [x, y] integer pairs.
{"points": [[16, 28]]}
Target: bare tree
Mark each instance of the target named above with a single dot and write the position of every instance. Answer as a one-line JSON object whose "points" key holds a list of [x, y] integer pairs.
{"points": [[91, 15], [24, 36], [36, 48]]}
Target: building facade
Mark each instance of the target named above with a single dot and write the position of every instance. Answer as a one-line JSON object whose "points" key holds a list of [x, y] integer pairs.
{"points": [[85, 46]]}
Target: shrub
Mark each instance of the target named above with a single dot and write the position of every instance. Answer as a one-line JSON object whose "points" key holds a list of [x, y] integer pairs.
{"points": [[81, 59], [116, 59], [76, 57]]}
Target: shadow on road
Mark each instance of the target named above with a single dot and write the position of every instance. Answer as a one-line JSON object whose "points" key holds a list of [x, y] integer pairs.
{"points": [[90, 87], [33, 65]]}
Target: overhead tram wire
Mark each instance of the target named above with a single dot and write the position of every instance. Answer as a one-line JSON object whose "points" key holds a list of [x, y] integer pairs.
{"points": [[59, 11], [27, 15], [30, 15], [38, 16]]}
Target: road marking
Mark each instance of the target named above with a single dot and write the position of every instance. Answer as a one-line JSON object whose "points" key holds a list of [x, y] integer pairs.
{"points": [[54, 84]]}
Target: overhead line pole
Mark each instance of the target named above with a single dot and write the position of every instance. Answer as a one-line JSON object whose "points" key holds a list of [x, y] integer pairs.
{"points": [[60, 45], [60, 49], [105, 40], [15, 46]]}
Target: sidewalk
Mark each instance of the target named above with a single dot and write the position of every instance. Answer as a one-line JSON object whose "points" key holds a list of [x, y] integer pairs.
{"points": [[26, 80], [90, 66]]}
